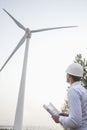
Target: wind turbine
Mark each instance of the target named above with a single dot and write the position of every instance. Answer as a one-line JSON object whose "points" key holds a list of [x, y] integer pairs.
{"points": [[20, 103]]}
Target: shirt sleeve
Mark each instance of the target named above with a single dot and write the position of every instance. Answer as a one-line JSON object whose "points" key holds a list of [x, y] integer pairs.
{"points": [[75, 113]]}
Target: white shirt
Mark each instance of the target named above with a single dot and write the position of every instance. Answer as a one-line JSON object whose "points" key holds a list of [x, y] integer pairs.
{"points": [[77, 103]]}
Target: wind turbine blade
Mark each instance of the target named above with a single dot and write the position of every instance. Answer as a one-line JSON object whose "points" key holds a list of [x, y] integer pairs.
{"points": [[16, 48], [18, 23], [47, 29]]}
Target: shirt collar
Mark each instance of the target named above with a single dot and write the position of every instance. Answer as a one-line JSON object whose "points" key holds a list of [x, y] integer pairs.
{"points": [[76, 83]]}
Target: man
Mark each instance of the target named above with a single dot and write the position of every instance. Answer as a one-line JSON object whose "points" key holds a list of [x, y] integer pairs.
{"points": [[77, 101]]}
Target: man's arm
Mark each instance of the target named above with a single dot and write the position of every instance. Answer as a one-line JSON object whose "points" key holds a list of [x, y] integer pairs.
{"points": [[75, 116]]}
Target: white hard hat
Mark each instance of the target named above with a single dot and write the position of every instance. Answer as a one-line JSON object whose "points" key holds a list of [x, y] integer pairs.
{"points": [[75, 69]]}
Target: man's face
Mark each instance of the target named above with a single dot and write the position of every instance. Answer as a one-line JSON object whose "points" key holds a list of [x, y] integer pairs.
{"points": [[67, 78]]}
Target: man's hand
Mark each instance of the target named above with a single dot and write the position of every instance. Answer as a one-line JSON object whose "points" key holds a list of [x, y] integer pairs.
{"points": [[63, 114], [56, 118]]}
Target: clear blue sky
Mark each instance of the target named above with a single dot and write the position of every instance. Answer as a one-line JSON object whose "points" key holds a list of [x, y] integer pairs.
{"points": [[49, 54]]}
